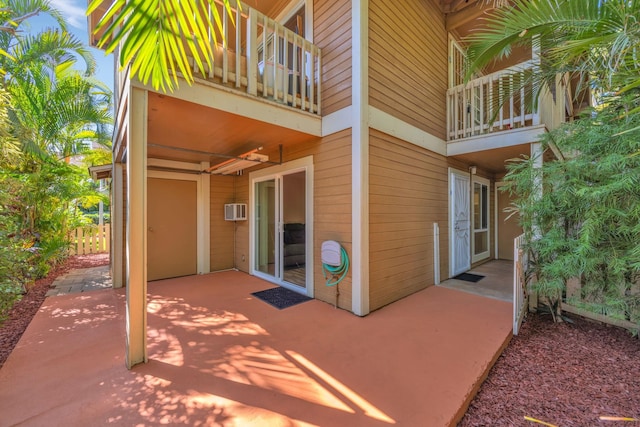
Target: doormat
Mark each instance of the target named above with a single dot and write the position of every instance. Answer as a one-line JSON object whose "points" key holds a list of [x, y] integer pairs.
{"points": [[281, 297], [469, 277]]}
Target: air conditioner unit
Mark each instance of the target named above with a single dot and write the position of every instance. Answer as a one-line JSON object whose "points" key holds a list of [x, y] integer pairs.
{"points": [[235, 212]]}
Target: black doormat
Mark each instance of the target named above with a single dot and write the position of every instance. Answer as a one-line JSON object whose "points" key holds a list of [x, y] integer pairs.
{"points": [[281, 297], [469, 277]]}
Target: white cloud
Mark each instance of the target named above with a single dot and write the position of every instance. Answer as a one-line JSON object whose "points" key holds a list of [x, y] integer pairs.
{"points": [[74, 11]]}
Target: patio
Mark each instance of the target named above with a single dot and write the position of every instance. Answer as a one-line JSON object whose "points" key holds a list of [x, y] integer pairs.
{"points": [[219, 356]]}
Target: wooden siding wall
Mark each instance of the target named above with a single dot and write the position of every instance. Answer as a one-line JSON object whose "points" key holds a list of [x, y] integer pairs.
{"points": [[408, 62], [332, 33], [408, 193], [332, 206], [221, 231], [241, 255]]}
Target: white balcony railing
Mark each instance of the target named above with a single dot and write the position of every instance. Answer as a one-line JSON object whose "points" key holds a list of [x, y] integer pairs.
{"points": [[481, 106], [259, 56]]}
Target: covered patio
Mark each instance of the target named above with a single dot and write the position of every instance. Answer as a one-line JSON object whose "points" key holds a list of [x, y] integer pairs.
{"points": [[220, 356]]}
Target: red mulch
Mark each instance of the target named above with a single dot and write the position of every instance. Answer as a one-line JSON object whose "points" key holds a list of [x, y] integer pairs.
{"points": [[566, 374], [23, 311]]}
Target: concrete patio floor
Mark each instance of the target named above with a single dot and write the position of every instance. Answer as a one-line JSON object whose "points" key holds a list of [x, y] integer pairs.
{"points": [[220, 357], [497, 282]]}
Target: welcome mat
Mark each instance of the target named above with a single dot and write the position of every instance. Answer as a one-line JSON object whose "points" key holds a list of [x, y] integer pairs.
{"points": [[281, 297], [469, 277]]}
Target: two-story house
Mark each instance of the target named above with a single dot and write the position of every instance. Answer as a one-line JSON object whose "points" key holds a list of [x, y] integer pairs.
{"points": [[341, 120]]}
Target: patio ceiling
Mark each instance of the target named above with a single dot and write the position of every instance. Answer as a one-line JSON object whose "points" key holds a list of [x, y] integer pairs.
{"points": [[187, 126], [494, 160]]}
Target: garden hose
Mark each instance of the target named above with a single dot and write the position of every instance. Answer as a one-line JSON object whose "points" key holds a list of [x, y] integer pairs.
{"points": [[334, 274]]}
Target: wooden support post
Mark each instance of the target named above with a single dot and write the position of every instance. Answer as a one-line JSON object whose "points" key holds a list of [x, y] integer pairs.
{"points": [[117, 224], [136, 307]]}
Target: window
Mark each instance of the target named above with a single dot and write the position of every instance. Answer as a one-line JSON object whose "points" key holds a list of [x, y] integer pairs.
{"points": [[480, 219]]}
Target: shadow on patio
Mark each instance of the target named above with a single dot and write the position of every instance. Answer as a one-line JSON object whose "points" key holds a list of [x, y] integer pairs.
{"points": [[219, 356]]}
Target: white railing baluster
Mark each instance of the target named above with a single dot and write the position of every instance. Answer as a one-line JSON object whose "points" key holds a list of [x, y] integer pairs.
{"points": [[312, 64], [265, 58], [296, 71], [319, 80], [465, 111], [511, 105], [501, 101], [252, 53], [239, 47], [225, 46], [523, 113]]}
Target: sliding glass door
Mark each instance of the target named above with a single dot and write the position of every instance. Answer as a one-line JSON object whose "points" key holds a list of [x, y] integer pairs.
{"points": [[265, 217], [280, 242]]}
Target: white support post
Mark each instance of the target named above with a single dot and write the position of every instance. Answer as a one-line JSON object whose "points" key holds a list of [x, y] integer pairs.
{"points": [[204, 223], [535, 57], [136, 306], [436, 253], [117, 226], [536, 155], [360, 157]]}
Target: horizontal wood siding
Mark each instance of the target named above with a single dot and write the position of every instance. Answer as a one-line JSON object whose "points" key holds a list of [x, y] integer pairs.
{"points": [[408, 62], [242, 227], [222, 232], [407, 194], [332, 206], [332, 33]]}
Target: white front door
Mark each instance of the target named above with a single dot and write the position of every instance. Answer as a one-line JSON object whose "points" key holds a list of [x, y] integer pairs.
{"points": [[459, 223]]}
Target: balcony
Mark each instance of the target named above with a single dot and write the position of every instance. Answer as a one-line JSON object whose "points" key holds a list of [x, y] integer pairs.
{"points": [[482, 106], [258, 56]]}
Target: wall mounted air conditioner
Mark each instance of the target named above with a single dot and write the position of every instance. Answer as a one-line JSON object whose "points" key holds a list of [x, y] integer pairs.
{"points": [[235, 212]]}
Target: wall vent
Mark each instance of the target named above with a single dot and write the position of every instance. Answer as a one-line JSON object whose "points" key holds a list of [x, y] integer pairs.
{"points": [[235, 212]]}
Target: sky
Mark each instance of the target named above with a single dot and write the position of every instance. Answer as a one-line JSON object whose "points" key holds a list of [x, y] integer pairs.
{"points": [[74, 12]]}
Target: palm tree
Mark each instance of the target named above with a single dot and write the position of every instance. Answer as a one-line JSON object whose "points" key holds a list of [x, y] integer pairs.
{"points": [[57, 117], [158, 36], [13, 13]]}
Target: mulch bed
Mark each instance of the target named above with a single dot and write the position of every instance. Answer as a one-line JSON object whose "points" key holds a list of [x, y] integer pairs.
{"points": [[566, 374], [23, 311]]}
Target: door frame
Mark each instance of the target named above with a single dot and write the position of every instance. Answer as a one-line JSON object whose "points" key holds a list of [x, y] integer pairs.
{"points": [[466, 175], [192, 173], [304, 164], [487, 254], [496, 188]]}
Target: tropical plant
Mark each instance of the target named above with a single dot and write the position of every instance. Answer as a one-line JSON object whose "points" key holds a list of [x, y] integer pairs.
{"points": [[581, 211], [582, 214], [49, 113], [58, 117], [157, 37], [593, 42]]}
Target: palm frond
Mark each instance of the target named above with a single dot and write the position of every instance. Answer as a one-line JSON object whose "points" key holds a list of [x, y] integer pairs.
{"points": [[159, 38]]}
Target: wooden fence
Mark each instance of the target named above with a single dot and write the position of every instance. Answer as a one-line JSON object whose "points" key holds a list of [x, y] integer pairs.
{"points": [[575, 302], [91, 240]]}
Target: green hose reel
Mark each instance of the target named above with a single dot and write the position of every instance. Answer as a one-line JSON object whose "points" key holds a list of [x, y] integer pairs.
{"points": [[335, 264]]}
